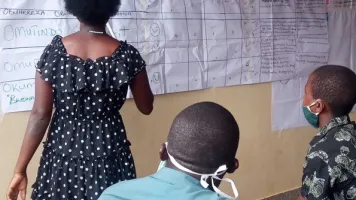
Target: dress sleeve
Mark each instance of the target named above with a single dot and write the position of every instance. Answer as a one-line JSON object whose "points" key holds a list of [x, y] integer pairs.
{"points": [[136, 62], [46, 65]]}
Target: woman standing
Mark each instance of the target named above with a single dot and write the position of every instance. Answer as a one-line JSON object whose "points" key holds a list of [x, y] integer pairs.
{"points": [[86, 76]]}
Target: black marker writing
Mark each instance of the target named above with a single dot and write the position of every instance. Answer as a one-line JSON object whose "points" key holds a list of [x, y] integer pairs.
{"points": [[8, 11], [13, 87], [17, 66], [11, 33]]}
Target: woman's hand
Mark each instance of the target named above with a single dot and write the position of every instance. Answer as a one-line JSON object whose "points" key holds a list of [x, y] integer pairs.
{"points": [[18, 185]]}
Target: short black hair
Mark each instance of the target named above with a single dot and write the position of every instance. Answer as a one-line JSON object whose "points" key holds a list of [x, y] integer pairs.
{"points": [[203, 137], [93, 12], [335, 85]]}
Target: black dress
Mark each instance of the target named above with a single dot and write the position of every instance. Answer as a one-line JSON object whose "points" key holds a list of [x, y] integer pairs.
{"points": [[86, 149]]}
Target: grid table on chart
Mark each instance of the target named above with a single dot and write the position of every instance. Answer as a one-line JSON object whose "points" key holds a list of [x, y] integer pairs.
{"points": [[196, 44], [188, 44]]}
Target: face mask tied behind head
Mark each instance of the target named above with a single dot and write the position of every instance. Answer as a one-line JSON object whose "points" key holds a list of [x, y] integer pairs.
{"points": [[312, 118], [204, 177]]}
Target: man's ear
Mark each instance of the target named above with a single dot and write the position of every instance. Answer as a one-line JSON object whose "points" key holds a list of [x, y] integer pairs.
{"points": [[233, 167], [163, 155], [319, 106]]}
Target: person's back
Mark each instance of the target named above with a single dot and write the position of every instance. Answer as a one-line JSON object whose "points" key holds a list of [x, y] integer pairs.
{"points": [[90, 46], [165, 184], [88, 93], [330, 165], [86, 77], [201, 147]]}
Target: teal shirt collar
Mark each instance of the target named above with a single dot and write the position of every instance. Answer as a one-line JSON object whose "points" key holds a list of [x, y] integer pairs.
{"points": [[175, 177]]}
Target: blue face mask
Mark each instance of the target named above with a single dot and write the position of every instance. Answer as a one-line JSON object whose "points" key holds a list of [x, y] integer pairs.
{"points": [[312, 118]]}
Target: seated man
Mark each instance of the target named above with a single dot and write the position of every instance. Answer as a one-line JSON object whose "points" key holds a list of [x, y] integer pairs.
{"points": [[330, 165], [201, 148]]}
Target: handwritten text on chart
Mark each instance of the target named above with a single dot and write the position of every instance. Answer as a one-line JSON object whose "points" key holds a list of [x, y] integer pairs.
{"points": [[15, 100], [8, 11], [30, 12], [17, 95], [11, 33], [18, 64], [16, 67], [17, 87]]}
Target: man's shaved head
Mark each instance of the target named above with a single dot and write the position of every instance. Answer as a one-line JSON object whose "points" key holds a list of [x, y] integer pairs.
{"points": [[336, 86], [203, 137]]}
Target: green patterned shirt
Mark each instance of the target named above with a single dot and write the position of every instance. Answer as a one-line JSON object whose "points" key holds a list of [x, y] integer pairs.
{"points": [[330, 165]]}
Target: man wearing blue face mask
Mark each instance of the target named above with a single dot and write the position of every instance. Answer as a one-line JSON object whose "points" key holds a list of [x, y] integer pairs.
{"points": [[330, 165], [200, 150]]}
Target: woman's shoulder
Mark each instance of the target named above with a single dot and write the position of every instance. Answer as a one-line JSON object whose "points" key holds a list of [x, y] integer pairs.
{"points": [[129, 55], [54, 47], [109, 72], [56, 42]]}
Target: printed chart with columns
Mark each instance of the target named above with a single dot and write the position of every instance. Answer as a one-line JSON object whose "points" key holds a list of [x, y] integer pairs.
{"points": [[187, 44]]}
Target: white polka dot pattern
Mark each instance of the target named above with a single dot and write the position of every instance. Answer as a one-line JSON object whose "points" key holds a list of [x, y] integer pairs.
{"points": [[86, 149]]}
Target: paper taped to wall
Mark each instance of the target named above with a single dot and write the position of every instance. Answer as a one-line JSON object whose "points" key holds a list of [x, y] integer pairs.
{"points": [[188, 44], [287, 95]]}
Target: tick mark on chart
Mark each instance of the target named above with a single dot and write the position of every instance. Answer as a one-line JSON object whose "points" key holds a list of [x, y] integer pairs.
{"points": [[124, 30], [155, 30], [284, 82]]}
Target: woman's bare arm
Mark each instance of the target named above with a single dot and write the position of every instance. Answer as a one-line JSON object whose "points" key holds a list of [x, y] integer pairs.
{"points": [[141, 91], [37, 124]]}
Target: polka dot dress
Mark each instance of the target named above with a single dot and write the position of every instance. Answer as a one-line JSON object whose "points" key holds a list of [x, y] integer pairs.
{"points": [[86, 149]]}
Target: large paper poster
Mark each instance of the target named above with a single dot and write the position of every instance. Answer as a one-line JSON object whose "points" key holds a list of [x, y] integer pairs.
{"points": [[287, 95], [188, 44]]}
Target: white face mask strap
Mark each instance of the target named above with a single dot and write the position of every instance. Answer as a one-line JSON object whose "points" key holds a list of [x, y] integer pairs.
{"points": [[311, 105], [204, 181], [204, 177], [221, 193], [221, 170]]}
